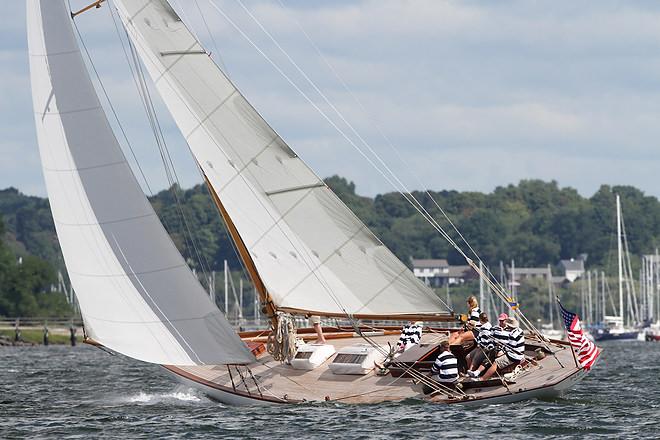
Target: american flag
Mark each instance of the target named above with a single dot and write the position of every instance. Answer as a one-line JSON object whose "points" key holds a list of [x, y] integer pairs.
{"points": [[587, 352]]}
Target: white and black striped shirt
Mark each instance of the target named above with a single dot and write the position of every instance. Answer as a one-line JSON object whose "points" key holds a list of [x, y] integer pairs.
{"points": [[446, 367], [516, 345], [410, 335], [500, 336], [484, 336], [473, 317]]}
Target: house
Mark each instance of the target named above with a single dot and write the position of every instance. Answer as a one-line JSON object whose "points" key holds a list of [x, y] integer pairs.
{"points": [[431, 271], [528, 273], [573, 269], [438, 272]]}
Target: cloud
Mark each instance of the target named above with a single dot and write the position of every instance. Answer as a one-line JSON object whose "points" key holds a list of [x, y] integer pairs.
{"points": [[474, 94]]}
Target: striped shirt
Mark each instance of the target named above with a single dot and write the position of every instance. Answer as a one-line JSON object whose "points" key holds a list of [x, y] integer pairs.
{"points": [[500, 336], [484, 336], [516, 345], [445, 367], [473, 317], [410, 335]]}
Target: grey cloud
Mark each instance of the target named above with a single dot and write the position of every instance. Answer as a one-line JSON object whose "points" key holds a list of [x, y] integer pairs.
{"points": [[475, 93]]}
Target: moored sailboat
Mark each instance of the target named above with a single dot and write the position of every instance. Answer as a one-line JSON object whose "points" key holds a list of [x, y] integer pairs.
{"points": [[613, 326], [306, 252]]}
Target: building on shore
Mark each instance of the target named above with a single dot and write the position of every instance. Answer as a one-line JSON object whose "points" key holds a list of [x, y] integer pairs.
{"points": [[439, 273]]}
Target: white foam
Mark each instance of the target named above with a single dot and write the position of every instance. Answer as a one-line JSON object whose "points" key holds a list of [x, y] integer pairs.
{"points": [[184, 395]]}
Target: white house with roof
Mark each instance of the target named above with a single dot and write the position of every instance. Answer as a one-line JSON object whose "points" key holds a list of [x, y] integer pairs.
{"points": [[573, 269], [528, 273], [438, 272]]}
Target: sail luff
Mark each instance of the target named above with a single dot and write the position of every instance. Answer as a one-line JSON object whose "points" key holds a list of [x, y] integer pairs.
{"points": [[136, 293], [310, 250], [258, 284]]}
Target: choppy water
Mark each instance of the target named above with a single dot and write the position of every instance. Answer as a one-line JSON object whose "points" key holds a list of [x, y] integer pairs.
{"points": [[81, 392]]}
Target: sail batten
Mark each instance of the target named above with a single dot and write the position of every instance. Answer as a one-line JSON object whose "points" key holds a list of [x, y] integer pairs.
{"points": [[310, 250], [136, 294]]}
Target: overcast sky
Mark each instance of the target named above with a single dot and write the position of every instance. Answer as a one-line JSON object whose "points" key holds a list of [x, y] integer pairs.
{"points": [[473, 94]]}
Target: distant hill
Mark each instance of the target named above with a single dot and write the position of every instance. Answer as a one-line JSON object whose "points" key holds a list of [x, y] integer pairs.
{"points": [[533, 222]]}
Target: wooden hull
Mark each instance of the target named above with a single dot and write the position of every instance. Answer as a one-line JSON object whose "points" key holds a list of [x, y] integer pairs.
{"points": [[273, 382]]}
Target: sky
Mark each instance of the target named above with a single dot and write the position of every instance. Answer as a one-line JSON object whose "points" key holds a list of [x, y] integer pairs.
{"points": [[464, 95]]}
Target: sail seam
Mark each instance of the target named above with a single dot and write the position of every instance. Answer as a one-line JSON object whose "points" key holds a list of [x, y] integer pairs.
{"points": [[54, 54], [68, 111], [196, 318], [247, 164], [67, 170], [276, 222], [109, 222], [200, 122], [325, 260], [377, 294], [120, 275]]}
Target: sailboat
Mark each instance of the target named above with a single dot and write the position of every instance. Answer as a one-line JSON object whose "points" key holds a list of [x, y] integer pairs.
{"points": [[613, 327], [306, 252]]}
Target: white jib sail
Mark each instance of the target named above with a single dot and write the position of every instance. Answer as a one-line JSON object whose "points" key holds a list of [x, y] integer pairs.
{"points": [[311, 251], [136, 294]]}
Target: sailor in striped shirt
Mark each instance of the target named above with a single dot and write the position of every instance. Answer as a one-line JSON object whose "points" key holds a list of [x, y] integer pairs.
{"points": [[514, 349], [444, 369], [485, 348], [411, 334], [498, 332], [462, 337]]}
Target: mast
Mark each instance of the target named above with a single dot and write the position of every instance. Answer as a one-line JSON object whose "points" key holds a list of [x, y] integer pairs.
{"points": [[619, 246], [550, 299], [481, 287], [260, 289]]}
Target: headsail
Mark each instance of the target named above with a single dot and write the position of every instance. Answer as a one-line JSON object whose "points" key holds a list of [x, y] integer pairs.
{"points": [[311, 251], [136, 293]]}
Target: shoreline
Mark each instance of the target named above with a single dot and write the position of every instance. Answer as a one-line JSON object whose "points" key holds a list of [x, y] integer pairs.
{"points": [[34, 336]]}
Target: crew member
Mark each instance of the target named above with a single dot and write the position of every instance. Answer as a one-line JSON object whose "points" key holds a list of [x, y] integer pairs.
{"points": [[485, 345], [461, 337], [444, 369], [315, 322], [514, 350], [411, 334]]}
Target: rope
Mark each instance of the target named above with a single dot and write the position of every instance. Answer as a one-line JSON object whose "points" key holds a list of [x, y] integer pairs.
{"points": [[282, 340], [416, 375]]}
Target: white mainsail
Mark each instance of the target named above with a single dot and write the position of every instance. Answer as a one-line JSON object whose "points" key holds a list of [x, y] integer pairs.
{"points": [[136, 294], [312, 253]]}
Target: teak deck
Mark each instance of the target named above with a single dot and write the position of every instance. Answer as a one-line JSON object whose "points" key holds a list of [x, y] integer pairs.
{"points": [[280, 383]]}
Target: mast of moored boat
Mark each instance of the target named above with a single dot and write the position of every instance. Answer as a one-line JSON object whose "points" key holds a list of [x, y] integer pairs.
{"points": [[619, 257]]}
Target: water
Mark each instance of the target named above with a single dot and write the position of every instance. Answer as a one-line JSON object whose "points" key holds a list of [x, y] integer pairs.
{"points": [[82, 392]]}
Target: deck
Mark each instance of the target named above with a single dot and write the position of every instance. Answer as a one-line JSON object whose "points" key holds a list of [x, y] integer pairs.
{"points": [[280, 382]]}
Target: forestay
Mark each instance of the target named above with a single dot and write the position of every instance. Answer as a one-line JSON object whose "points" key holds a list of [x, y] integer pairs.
{"points": [[136, 294], [312, 253]]}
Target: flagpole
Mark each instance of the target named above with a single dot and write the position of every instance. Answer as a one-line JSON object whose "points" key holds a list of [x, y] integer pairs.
{"points": [[577, 365]]}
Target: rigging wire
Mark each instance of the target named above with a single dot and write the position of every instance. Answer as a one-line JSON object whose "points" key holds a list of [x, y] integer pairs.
{"points": [[407, 196], [401, 188], [385, 137], [313, 270], [170, 172]]}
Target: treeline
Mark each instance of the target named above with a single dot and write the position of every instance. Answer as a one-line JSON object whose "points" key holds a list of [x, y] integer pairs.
{"points": [[534, 223], [26, 285]]}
